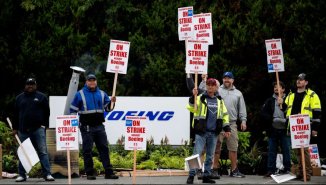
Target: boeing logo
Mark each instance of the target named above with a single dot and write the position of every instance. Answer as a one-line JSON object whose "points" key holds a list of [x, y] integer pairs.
{"points": [[151, 115]]}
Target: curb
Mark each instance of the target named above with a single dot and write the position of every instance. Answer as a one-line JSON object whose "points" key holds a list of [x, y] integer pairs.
{"points": [[152, 173]]}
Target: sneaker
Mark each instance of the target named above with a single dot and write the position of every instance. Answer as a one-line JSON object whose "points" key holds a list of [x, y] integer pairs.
{"points": [[49, 178], [237, 173], [208, 180], [214, 174], [190, 180], [111, 176], [20, 179], [199, 174], [91, 177]]}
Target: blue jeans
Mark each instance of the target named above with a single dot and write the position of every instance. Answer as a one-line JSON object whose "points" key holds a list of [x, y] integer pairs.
{"points": [[209, 139], [278, 138], [97, 134], [38, 140]]}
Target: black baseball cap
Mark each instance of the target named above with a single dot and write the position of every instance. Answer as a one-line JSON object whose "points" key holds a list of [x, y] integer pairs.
{"points": [[91, 77], [30, 81], [302, 76]]}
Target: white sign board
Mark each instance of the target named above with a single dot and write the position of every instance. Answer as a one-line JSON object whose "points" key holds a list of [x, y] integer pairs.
{"points": [[202, 25], [283, 177], [185, 29], [314, 155], [135, 138], [27, 155], [118, 57], [67, 132], [300, 130], [197, 57], [166, 117], [275, 60]]}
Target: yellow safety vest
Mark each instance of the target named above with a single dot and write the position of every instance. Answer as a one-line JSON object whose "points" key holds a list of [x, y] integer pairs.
{"points": [[201, 111], [309, 104]]}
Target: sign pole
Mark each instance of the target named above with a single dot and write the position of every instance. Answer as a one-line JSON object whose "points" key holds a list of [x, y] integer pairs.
{"points": [[20, 144], [196, 87], [134, 171], [114, 86], [278, 86], [69, 168], [303, 164]]}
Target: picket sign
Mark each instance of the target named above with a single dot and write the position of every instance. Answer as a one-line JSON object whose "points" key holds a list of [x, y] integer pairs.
{"points": [[135, 138], [275, 59], [117, 60], [300, 135]]}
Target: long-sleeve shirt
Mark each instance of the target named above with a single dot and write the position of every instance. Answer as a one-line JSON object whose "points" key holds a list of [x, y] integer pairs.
{"points": [[234, 103], [32, 110]]}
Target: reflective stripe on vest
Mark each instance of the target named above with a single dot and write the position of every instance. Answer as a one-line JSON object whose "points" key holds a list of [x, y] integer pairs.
{"points": [[86, 111]]}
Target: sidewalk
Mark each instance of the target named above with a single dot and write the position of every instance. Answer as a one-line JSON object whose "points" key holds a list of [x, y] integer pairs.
{"points": [[250, 179]]}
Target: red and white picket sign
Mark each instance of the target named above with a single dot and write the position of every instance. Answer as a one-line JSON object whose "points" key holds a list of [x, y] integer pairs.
{"points": [[300, 130], [275, 59], [202, 25], [185, 28], [197, 57], [118, 57]]}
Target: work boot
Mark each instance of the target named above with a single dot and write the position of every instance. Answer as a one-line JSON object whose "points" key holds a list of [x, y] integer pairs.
{"points": [[268, 174], [214, 174], [190, 180], [199, 174], [206, 179], [111, 176], [91, 176]]}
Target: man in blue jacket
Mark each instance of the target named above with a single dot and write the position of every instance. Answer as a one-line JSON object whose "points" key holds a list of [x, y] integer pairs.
{"points": [[90, 103]]}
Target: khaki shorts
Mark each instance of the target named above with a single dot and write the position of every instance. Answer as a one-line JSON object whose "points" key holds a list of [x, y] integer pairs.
{"points": [[232, 141]]}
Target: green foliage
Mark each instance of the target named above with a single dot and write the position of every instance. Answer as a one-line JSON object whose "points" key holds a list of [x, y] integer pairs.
{"points": [[98, 165], [81, 165], [172, 162], [244, 142], [9, 163], [8, 141], [119, 161], [251, 158], [36, 171], [148, 164]]}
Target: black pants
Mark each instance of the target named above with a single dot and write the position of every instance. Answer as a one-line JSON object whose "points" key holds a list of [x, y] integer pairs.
{"points": [[97, 134]]}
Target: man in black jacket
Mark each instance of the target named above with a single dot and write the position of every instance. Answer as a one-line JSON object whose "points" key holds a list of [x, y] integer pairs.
{"points": [[273, 115], [32, 113]]}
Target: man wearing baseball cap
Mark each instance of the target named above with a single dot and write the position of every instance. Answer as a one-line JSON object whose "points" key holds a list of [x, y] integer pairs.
{"points": [[304, 101], [236, 107], [90, 103], [209, 119], [32, 114]]}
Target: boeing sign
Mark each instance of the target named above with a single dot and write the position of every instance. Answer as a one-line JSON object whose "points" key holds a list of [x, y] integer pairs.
{"points": [[167, 117], [151, 115]]}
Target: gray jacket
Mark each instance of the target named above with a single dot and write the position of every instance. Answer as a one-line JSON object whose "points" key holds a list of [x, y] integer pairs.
{"points": [[234, 103]]}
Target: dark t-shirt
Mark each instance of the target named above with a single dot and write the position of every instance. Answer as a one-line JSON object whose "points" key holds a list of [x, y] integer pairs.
{"points": [[297, 102]]}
